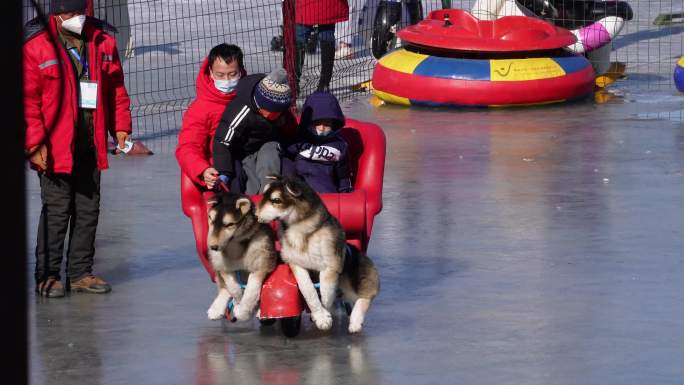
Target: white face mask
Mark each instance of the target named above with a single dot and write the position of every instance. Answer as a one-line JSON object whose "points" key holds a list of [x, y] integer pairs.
{"points": [[226, 86], [74, 24]]}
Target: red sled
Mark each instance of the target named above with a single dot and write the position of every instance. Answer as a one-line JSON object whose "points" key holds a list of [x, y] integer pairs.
{"points": [[356, 211]]}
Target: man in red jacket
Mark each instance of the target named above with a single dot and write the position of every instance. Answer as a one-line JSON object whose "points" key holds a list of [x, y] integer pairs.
{"points": [[74, 95], [216, 82], [216, 88]]}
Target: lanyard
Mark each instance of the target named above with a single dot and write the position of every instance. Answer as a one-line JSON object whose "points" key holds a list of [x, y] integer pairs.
{"points": [[83, 60]]}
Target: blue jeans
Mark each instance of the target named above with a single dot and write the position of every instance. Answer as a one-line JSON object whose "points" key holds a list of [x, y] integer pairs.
{"points": [[326, 32]]}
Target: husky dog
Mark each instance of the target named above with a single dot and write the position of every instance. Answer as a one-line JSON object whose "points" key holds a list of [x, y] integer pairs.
{"points": [[238, 242], [313, 240]]}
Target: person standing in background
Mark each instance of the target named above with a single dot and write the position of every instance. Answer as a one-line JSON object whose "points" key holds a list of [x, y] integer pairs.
{"points": [[356, 30], [323, 14], [74, 94]]}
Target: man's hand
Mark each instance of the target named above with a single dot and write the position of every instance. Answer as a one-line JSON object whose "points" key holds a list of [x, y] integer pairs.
{"points": [[121, 138], [210, 175], [38, 156]]}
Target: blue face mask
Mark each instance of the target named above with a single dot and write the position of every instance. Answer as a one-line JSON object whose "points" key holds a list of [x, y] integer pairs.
{"points": [[226, 86], [318, 133], [323, 133]]}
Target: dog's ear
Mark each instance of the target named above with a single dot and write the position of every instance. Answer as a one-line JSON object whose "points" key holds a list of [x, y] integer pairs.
{"points": [[274, 178], [213, 201], [244, 205], [293, 190]]}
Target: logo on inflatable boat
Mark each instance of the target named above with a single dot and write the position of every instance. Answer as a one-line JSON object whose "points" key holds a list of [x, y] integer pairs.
{"points": [[524, 69]]}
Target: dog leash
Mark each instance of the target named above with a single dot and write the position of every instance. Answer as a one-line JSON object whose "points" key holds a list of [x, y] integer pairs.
{"points": [[222, 186], [317, 285]]}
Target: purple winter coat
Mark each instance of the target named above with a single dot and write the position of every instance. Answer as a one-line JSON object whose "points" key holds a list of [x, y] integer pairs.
{"points": [[322, 161]]}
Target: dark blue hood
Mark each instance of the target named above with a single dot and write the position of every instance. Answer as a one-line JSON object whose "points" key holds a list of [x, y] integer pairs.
{"points": [[322, 105]]}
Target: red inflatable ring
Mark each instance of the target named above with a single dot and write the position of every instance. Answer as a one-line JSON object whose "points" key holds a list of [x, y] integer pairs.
{"points": [[455, 59]]}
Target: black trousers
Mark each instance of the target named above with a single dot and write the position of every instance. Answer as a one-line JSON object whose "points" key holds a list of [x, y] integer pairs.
{"points": [[70, 202]]}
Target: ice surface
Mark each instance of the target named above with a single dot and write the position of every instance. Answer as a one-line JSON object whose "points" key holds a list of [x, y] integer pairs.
{"points": [[494, 269], [503, 255]]}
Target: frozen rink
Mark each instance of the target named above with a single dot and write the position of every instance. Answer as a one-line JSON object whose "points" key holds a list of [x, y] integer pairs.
{"points": [[536, 246], [516, 246]]}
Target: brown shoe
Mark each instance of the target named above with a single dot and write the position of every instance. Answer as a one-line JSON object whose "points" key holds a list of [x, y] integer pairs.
{"points": [[90, 284], [51, 288]]}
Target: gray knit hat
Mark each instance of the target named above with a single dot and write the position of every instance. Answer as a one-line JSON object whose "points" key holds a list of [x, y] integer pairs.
{"points": [[61, 6], [272, 93]]}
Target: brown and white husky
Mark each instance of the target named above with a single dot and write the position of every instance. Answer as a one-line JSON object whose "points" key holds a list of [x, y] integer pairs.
{"points": [[313, 240], [238, 242]]}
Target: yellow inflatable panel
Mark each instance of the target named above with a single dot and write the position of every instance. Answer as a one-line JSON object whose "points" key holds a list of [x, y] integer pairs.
{"points": [[392, 98], [514, 70], [681, 62], [402, 61]]}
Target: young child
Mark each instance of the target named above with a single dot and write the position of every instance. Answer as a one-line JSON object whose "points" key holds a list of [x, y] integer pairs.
{"points": [[319, 154], [250, 128]]}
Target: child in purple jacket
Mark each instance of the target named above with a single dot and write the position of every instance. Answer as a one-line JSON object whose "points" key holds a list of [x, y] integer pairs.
{"points": [[319, 155]]}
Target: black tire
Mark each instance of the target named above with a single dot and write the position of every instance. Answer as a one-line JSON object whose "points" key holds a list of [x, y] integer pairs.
{"points": [[415, 11], [381, 42], [267, 321], [544, 9], [387, 17], [291, 326]]}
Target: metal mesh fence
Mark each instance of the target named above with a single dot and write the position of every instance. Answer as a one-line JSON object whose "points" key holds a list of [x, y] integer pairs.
{"points": [[162, 43]]}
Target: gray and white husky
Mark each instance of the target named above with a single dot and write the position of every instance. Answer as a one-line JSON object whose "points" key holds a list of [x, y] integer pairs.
{"points": [[238, 242], [313, 240]]}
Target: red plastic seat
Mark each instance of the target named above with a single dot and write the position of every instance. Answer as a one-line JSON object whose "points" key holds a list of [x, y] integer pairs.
{"points": [[356, 211], [456, 29]]}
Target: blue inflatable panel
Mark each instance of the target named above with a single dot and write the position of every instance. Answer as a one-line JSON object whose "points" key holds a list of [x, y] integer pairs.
{"points": [[679, 75], [451, 68]]}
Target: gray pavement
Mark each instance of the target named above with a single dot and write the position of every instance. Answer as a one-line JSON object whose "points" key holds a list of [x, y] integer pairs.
{"points": [[516, 246]]}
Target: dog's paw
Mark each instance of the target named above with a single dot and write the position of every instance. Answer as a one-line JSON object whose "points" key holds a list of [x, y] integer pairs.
{"points": [[241, 313], [215, 312], [355, 327], [322, 319]]}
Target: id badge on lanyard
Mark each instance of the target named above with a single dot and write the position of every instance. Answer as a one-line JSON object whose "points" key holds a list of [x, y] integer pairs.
{"points": [[88, 94], [87, 97]]}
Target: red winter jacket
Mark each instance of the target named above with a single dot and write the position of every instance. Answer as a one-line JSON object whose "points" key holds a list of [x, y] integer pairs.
{"points": [[199, 124], [311, 12], [43, 90]]}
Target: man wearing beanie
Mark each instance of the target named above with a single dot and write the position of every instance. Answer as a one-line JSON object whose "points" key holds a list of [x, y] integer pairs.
{"points": [[250, 129], [74, 95]]}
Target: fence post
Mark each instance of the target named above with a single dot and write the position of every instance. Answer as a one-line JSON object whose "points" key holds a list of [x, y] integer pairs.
{"points": [[289, 46], [13, 285]]}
